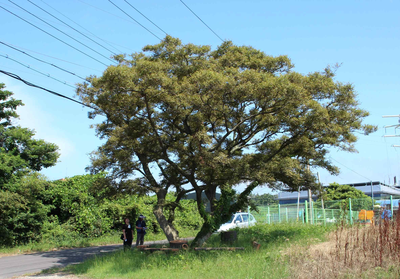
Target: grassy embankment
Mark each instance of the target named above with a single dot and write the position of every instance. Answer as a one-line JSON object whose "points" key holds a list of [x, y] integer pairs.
{"points": [[268, 262], [73, 241]]}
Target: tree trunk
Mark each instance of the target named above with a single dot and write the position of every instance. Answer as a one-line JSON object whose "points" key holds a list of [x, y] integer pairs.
{"points": [[211, 194], [170, 232], [214, 219], [202, 236]]}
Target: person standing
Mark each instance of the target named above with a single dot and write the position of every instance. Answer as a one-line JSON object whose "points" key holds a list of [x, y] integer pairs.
{"points": [[141, 230], [128, 234], [386, 214]]}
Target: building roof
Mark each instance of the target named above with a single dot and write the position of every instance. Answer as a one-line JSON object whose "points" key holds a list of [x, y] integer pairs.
{"points": [[377, 188]]}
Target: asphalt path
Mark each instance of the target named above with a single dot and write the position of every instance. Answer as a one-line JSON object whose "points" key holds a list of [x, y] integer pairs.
{"points": [[31, 263]]}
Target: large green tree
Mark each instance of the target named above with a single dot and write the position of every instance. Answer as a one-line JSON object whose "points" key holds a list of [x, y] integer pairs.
{"points": [[185, 118]]}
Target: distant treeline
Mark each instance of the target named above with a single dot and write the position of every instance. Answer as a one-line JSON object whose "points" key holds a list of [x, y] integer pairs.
{"points": [[264, 199]]}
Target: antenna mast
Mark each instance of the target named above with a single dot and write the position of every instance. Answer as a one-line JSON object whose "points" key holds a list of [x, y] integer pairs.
{"points": [[392, 126]]}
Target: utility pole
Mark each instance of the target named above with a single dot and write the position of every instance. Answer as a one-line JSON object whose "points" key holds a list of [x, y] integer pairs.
{"points": [[392, 136], [298, 202], [310, 200], [392, 126], [320, 192]]}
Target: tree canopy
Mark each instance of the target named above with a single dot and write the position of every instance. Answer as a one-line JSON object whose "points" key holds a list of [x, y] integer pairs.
{"points": [[19, 151], [187, 118]]}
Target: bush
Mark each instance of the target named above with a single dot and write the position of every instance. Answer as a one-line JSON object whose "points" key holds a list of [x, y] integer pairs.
{"points": [[22, 213], [35, 209], [187, 216], [277, 233]]}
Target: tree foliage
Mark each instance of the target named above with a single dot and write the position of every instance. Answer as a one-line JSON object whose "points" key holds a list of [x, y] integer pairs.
{"points": [[19, 151], [335, 191], [38, 209], [205, 120], [32, 208], [264, 199], [21, 211]]}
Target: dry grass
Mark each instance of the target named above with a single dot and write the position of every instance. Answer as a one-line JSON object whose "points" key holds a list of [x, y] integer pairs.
{"points": [[352, 252]]}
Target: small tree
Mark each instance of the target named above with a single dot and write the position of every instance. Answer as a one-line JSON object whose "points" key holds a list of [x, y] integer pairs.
{"points": [[19, 151], [185, 118], [342, 193]]}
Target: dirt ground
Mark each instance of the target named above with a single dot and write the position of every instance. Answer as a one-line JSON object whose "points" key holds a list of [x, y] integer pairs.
{"points": [[50, 276]]}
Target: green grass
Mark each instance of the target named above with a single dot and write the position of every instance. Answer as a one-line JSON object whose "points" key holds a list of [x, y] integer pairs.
{"points": [[73, 241], [268, 262]]}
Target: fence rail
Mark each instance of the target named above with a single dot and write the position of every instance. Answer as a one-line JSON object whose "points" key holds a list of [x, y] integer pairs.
{"points": [[316, 212]]}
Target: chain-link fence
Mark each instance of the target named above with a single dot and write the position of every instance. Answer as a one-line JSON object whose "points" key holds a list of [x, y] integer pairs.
{"points": [[366, 210]]}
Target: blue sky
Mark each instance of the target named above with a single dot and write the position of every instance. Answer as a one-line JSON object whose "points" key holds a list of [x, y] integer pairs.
{"points": [[363, 36]]}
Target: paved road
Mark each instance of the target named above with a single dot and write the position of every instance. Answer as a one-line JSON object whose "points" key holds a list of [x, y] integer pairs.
{"points": [[25, 264]]}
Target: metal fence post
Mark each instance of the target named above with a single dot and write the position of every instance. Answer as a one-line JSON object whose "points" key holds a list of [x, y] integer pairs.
{"points": [[279, 213], [350, 212], [324, 215], [306, 211], [372, 195], [312, 212], [391, 206], [248, 216], [268, 216], [287, 217]]}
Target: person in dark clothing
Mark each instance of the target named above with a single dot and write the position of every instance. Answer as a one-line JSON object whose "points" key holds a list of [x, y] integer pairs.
{"points": [[141, 230], [128, 234]]}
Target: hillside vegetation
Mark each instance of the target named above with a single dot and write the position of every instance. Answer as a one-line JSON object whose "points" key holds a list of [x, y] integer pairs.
{"points": [[75, 212]]}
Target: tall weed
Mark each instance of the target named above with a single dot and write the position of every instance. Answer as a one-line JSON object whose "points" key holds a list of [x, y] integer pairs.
{"points": [[354, 251]]}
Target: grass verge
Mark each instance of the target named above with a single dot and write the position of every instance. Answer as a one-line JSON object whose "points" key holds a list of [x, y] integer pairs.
{"points": [[268, 262]]}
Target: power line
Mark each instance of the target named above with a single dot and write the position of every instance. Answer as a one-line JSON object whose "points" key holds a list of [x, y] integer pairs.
{"points": [[29, 67], [201, 20], [63, 32], [146, 18], [42, 88], [53, 36], [133, 19], [105, 41], [105, 11], [71, 27], [19, 70], [350, 169], [72, 63], [38, 59]]}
